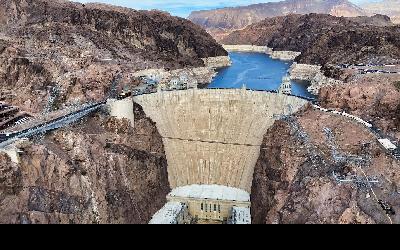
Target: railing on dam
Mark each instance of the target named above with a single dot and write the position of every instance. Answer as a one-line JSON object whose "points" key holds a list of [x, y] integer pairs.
{"points": [[273, 92], [153, 91]]}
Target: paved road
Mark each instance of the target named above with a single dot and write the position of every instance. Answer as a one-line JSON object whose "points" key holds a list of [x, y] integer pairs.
{"points": [[55, 123]]}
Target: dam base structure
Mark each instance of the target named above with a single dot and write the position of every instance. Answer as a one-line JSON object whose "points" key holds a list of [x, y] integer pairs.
{"points": [[212, 137]]}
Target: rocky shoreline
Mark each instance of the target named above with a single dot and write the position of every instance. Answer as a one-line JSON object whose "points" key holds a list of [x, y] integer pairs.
{"points": [[275, 54], [217, 62], [246, 48], [300, 72], [186, 77], [284, 55], [312, 74]]}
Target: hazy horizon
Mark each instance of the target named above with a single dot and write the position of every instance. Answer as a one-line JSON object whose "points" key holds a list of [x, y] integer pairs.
{"points": [[183, 8]]}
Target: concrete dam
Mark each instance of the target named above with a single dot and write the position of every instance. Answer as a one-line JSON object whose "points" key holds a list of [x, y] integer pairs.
{"points": [[213, 136]]}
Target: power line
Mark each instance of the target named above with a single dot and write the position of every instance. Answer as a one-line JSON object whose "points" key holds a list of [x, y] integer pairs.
{"points": [[373, 192]]}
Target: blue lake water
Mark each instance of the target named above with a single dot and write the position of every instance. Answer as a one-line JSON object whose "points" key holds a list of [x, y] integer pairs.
{"points": [[258, 71]]}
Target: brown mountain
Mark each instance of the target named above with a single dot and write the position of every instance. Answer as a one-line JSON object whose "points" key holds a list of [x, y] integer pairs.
{"points": [[68, 44], [120, 30], [386, 7], [221, 21]]}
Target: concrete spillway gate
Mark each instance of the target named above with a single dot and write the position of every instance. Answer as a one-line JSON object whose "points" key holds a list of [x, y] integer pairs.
{"points": [[213, 136]]}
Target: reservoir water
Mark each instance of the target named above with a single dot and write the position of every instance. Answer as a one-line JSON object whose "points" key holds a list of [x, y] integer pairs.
{"points": [[258, 71]]}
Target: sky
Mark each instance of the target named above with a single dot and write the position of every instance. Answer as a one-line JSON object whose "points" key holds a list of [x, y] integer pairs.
{"points": [[183, 8]]}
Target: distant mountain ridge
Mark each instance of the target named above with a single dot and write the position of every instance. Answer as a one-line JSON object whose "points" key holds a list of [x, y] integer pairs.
{"points": [[221, 21], [386, 7]]}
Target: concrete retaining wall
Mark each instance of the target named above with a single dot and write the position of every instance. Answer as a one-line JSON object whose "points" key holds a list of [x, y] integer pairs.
{"points": [[122, 109]]}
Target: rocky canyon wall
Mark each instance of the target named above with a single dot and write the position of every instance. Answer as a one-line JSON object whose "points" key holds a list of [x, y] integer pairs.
{"points": [[98, 171], [307, 172]]}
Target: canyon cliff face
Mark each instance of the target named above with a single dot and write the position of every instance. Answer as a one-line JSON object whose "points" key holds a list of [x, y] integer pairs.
{"points": [[98, 171], [385, 7], [223, 21], [121, 32], [54, 54], [325, 39], [77, 50], [303, 173]]}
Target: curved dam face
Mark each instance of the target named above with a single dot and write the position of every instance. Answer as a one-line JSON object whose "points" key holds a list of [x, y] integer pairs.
{"points": [[213, 136]]}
